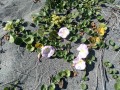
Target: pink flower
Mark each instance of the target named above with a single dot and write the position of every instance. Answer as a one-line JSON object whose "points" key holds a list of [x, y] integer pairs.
{"points": [[79, 64], [83, 50], [63, 32], [47, 51]]}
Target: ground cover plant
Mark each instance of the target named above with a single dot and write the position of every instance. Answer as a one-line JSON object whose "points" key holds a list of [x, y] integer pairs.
{"points": [[60, 24]]}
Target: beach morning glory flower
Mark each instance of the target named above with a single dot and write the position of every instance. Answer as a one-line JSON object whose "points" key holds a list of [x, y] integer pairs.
{"points": [[47, 51], [63, 32], [79, 64], [83, 50]]}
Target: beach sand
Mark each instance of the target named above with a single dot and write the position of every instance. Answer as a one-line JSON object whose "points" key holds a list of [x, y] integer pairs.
{"points": [[17, 63]]}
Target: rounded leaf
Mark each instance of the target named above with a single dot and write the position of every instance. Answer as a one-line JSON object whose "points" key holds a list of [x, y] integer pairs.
{"points": [[44, 87], [12, 39], [56, 79], [117, 85], [111, 43], [30, 47], [51, 86], [6, 88], [68, 73], [29, 39], [18, 41]]}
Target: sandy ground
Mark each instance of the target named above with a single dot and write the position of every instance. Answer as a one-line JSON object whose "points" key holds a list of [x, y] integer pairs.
{"points": [[16, 63]]}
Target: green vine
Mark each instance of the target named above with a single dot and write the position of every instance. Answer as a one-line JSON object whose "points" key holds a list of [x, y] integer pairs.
{"points": [[76, 18]]}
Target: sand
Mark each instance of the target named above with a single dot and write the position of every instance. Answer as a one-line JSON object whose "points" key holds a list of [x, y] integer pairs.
{"points": [[19, 64]]}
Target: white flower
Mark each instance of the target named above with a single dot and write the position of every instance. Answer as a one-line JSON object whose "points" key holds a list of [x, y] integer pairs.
{"points": [[47, 51], [83, 50], [79, 64], [63, 32]]}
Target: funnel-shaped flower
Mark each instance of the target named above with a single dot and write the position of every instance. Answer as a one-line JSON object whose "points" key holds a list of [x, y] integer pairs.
{"points": [[63, 32], [83, 50], [79, 64], [47, 51]]}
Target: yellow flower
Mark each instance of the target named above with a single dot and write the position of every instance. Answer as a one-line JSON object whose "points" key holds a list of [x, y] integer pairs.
{"points": [[57, 19], [95, 40], [38, 45], [101, 29]]}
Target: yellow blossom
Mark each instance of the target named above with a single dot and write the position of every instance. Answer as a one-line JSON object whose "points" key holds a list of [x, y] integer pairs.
{"points": [[101, 29], [38, 45], [95, 40], [57, 19]]}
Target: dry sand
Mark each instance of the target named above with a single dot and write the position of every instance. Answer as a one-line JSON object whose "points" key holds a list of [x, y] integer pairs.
{"points": [[19, 64]]}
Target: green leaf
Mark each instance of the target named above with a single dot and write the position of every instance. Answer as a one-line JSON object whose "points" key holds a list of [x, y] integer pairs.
{"points": [[30, 47], [6, 88], [117, 85], [93, 58], [22, 28], [74, 38], [18, 41], [12, 39], [44, 87], [68, 73], [65, 52], [9, 26], [109, 65], [83, 40], [99, 17], [106, 63], [114, 76], [110, 71], [62, 74], [111, 42], [51, 86], [84, 86], [56, 79], [70, 57], [60, 54], [85, 78], [90, 62], [115, 71], [29, 39], [116, 48], [87, 30]]}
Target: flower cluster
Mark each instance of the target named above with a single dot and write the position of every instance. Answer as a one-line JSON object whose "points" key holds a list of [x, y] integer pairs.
{"points": [[48, 51], [78, 62], [57, 19]]}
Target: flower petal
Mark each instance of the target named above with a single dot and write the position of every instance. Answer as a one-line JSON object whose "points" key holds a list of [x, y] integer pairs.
{"points": [[81, 65], [63, 32], [47, 51], [83, 51]]}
